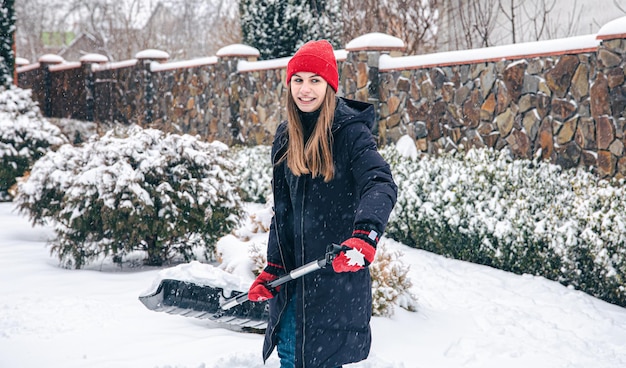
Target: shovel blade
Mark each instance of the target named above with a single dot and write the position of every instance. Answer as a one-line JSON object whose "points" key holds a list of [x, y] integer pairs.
{"points": [[201, 301]]}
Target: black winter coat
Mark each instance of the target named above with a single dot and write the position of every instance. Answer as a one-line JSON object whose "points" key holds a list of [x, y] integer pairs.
{"points": [[333, 309]]}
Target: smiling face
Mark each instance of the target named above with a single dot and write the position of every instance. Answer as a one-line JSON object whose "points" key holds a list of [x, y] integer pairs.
{"points": [[308, 90]]}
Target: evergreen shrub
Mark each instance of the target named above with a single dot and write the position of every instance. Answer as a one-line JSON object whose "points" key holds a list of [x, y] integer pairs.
{"points": [[254, 172], [25, 136], [390, 283], [523, 216], [134, 190]]}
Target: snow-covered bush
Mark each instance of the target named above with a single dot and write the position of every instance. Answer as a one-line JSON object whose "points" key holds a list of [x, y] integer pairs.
{"points": [[16, 101], [25, 136], [79, 131], [258, 255], [518, 215], [390, 283], [134, 190], [254, 170]]}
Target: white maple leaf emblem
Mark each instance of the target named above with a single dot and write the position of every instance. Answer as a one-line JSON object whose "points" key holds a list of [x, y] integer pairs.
{"points": [[355, 258]]}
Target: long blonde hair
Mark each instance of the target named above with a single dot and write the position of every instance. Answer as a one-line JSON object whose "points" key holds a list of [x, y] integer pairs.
{"points": [[316, 157]]}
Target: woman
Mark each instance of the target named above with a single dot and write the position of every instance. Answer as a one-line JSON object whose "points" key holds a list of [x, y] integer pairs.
{"points": [[330, 185]]}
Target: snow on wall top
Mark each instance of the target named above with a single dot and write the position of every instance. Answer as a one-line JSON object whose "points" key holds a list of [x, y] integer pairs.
{"points": [[249, 66], [21, 61], [93, 58], [238, 50], [51, 59], [158, 67], [152, 54], [115, 65], [65, 66], [613, 29], [513, 51], [26, 68], [375, 41]]}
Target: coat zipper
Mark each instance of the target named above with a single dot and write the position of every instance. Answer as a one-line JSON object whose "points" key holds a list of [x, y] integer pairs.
{"points": [[280, 247], [303, 259]]}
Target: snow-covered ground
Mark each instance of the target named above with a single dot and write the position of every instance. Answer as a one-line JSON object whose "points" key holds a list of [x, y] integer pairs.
{"points": [[468, 316]]}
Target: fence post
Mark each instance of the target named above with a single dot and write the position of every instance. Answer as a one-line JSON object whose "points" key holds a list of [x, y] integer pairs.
{"points": [[227, 68], [608, 100], [360, 72], [87, 62], [146, 57], [45, 61]]}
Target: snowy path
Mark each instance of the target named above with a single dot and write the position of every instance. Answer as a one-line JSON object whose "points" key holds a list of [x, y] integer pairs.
{"points": [[469, 316]]}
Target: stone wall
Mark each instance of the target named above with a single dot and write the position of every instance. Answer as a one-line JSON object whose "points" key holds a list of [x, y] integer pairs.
{"points": [[567, 108], [181, 102], [563, 101], [608, 107]]}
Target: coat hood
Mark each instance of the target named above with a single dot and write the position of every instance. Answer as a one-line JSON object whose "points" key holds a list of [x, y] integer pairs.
{"points": [[352, 111]]}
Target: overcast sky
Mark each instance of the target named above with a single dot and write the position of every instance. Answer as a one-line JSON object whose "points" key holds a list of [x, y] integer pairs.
{"points": [[595, 13]]}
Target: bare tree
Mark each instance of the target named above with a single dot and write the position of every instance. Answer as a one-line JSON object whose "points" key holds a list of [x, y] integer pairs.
{"points": [[33, 19], [115, 25], [193, 28], [467, 24], [511, 15], [557, 28], [119, 29], [534, 20], [227, 29], [414, 23], [483, 20], [537, 14]]}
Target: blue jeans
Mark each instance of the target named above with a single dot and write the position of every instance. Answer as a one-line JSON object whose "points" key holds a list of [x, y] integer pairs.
{"points": [[287, 336]]}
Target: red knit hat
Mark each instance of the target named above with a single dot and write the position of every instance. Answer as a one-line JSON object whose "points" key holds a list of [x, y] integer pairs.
{"points": [[315, 57]]}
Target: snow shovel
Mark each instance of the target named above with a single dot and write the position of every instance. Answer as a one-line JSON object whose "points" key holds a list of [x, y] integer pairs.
{"points": [[192, 300], [331, 252]]}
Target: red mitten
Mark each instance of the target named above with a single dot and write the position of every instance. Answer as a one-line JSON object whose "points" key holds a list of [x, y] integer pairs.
{"points": [[258, 291], [360, 254]]}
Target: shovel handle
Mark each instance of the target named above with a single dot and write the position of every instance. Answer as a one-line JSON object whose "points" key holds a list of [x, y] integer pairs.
{"points": [[239, 299], [331, 251]]}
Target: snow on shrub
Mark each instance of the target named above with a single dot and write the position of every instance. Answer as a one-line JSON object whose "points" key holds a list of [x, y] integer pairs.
{"points": [[16, 101], [254, 170], [79, 131], [521, 216], [390, 283], [134, 190], [25, 136]]}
